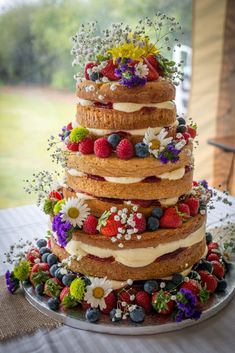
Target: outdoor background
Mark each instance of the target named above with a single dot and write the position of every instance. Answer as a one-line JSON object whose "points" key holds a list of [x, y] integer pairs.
{"points": [[36, 76]]}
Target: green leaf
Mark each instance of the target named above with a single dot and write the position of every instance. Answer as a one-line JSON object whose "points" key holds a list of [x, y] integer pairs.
{"points": [[204, 295], [52, 287], [69, 301], [40, 277]]}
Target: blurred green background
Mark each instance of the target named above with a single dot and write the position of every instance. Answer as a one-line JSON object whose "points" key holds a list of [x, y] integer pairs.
{"points": [[36, 75]]}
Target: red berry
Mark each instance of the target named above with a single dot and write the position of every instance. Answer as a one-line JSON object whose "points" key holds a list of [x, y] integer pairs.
{"points": [[109, 71], [65, 291], [170, 218], [152, 74], [73, 146], [32, 255], [109, 226], [69, 126], [86, 146], [191, 131], [143, 299], [47, 290], [218, 269], [102, 148], [162, 303], [125, 149], [140, 222], [213, 257], [193, 204], [195, 183], [126, 296], [209, 281], [184, 208], [111, 303], [191, 285], [42, 266], [55, 195], [186, 136], [88, 66], [90, 224], [212, 246]]}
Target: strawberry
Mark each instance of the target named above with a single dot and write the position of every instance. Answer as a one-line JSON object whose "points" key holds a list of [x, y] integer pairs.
{"points": [[52, 287], [66, 299], [183, 208], [212, 246], [111, 303], [143, 299], [39, 273], [55, 196], [213, 257], [65, 291], [102, 148], [72, 146], [109, 223], [86, 146], [109, 71], [125, 149], [162, 303], [193, 204], [170, 218], [208, 280], [125, 296], [186, 136], [191, 131], [69, 126], [218, 269], [152, 74], [90, 225], [195, 183], [32, 255], [87, 67], [140, 222], [192, 285]]}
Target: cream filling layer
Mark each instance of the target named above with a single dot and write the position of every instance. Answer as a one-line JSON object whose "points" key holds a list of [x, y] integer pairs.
{"points": [[138, 257], [173, 175]]}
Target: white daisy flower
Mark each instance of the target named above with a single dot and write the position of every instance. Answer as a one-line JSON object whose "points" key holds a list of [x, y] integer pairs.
{"points": [[97, 291], [141, 70], [156, 141], [74, 211]]}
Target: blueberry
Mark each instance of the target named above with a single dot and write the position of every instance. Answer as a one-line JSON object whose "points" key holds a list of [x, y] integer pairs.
{"points": [[221, 285], [53, 269], [94, 76], [151, 286], [45, 256], [177, 278], [228, 266], [141, 150], [115, 315], [170, 285], [138, 314], [92, 314], [152, 224], [181, 128], [52, 259], [44, 250], [181, 121], [68, 279], [39, 289], [114, 140], [67, 133], [209, 238], [58, 274], [157, 212], [86, 280], [53, 303], [193, 275], [41, 243], [205, 266]]}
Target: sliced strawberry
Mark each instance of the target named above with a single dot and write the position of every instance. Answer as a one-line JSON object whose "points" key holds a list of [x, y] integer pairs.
{"points": [[109, 71]]}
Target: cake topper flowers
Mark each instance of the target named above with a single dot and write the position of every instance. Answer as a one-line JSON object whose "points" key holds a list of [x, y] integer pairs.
{"points": [[130, 55]]}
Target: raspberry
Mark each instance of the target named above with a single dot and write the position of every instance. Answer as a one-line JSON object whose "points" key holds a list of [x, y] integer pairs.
{"points": [[218, 269], [90, 224], [125, 149], [111, 303], [193, 205], [102, 148], [73, 146], [140, 222], [86, 146], [143, 299]]}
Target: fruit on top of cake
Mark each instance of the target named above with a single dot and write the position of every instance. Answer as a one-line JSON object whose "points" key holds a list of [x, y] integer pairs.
{"points": [[143, 299], [55, 196], [125, 149], [109, 223], [86, 146], [184, 210], [157, 212], [110, 302], [141, 150], [152, 224], [87, 70], [140, 222], [208, 281], [109, 71], [137, 314], [170, 218], [73, 146], [32, 255], [114, 140], [193, 204], [151, 63], [102, 148], [191, 285], [218, 269], [90, 225], [162, 303]]}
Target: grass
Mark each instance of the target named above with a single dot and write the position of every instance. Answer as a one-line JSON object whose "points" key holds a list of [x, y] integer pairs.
{"points": [[28, 115]]}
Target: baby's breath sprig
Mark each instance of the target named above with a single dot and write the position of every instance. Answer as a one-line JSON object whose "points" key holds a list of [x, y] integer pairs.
{"points": [[57, 155], [41, 184]]}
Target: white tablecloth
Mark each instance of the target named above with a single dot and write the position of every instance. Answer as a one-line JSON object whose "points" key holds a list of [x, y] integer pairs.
{"points": [[214, 335]]}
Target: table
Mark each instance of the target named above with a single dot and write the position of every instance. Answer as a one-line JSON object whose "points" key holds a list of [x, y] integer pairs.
{"points": [[213, 335]]}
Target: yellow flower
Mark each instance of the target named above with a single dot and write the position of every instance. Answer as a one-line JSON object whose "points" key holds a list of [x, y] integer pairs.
{"points": [[135, 51]]}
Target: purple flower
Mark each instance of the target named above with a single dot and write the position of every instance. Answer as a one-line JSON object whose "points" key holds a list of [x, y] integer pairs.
{"points": [[12, 283], [169, 154], [204, 183], [64, 133], [62, 229], [186, 303], [127, 74]]}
